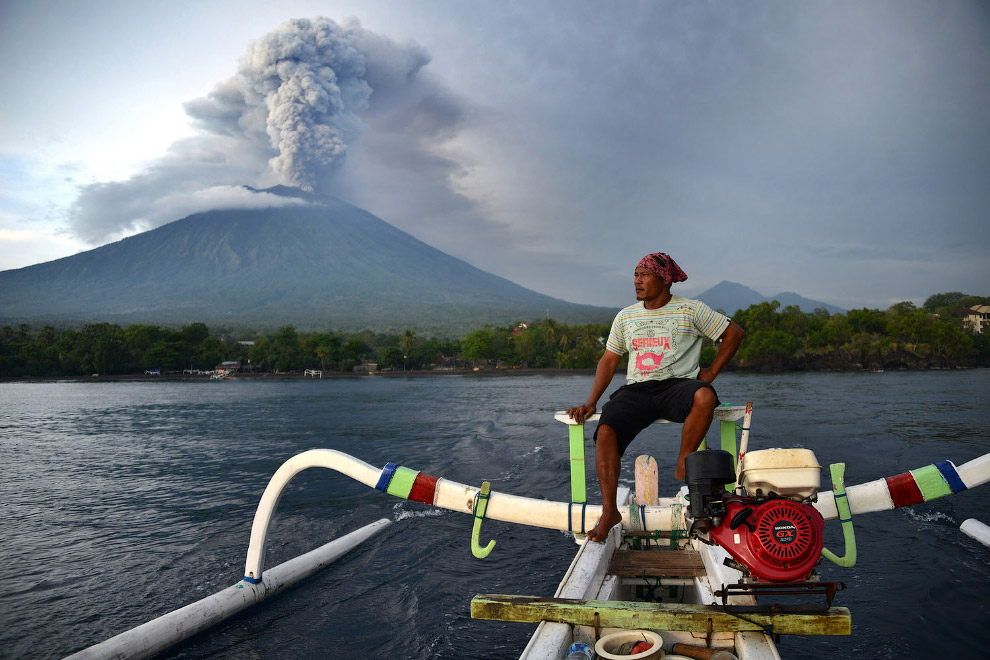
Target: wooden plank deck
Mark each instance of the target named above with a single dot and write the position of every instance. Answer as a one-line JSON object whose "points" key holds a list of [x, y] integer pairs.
{"points": [[666, 563]]}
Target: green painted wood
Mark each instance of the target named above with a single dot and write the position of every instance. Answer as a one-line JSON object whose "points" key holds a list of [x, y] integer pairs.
{"points": [[654, 616], [402, 482], [728, 432], [578, 486], [931, 482]]}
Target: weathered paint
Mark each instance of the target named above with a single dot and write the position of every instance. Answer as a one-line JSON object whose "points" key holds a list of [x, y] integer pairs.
{"points": [[653, 616]]}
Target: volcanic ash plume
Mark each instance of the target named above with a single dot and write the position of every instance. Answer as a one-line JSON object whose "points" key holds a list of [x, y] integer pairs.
{"points": [[298, 92], [301, 98]]}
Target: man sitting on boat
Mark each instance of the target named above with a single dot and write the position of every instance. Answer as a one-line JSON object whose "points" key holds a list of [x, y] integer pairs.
{"points": [[663, 335]]}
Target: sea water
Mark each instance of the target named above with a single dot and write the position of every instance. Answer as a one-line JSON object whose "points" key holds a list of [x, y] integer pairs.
{"points": [[120, 502]]}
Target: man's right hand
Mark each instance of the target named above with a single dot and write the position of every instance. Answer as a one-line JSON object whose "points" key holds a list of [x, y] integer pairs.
{"points": [[580, 413]]}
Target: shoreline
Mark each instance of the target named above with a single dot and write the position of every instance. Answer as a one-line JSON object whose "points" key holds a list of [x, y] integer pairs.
{"points": [[329, 375], [419, 373]]}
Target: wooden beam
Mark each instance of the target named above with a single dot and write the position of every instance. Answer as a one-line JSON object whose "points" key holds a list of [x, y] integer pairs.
{"points": [[654, 616]]}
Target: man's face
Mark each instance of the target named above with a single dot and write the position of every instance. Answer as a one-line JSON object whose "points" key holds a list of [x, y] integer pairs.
{"points": [[648, 286]]}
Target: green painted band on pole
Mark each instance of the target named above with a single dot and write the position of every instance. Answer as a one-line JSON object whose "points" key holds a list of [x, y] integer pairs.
{"points": [[931, 482], [575, 434], [402, 482], [838, 471]]}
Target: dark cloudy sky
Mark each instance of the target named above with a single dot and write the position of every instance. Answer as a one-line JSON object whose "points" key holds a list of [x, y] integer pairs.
{"points": [[838, 149]]}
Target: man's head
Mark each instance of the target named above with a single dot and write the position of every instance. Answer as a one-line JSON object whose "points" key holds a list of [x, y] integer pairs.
{"points": [[665, 268]]}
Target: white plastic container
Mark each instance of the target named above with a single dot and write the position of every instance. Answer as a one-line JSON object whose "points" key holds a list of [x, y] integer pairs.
{"points": [[607, 646], [787, 472]]}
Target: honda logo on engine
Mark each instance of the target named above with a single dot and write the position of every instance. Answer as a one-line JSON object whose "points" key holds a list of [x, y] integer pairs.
{"points": [[784, 532]]}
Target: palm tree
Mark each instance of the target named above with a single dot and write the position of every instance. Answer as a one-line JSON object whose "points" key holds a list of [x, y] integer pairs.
{"points": [[407, 341]]}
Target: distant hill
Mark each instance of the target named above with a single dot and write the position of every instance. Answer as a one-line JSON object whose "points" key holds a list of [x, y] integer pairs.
{"points": [[326, 264], [731, 296]]}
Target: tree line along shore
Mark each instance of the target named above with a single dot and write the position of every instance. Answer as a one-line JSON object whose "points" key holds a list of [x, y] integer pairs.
{"points": [[904, 336]]}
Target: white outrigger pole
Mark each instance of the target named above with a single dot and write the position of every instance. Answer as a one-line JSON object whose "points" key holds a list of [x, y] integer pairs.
{"points": [[921, 485], [170, 629]]}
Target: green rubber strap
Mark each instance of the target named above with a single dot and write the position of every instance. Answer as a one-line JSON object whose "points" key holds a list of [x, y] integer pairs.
{"points": [[481, 501], [480, 508], [837, 471], [931, 482]]}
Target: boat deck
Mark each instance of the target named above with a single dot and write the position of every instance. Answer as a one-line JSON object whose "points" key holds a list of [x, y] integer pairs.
{"points": [[654, 564]]}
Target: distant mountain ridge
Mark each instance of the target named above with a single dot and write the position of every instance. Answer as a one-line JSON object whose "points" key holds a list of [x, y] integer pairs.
{"points": [[732, 296], [325, 264]]}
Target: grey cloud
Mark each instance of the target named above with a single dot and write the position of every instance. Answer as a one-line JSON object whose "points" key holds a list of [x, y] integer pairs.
{"points": [[300, 102], [583, 135]]}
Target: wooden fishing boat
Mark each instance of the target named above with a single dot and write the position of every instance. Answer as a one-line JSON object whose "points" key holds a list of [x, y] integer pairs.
{"points": [[665, 586], [695, 567], [641, 581], [732, 588]]}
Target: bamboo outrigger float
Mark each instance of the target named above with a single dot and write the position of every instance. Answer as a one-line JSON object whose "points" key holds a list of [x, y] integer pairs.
{"points": [[707, 603]]}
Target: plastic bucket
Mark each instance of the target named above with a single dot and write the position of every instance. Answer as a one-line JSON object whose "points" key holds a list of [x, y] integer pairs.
{"points": [[608, 646]]}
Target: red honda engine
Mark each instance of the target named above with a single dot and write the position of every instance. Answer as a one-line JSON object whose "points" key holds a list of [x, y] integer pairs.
{"points": [[771, 529], [778, 540]]}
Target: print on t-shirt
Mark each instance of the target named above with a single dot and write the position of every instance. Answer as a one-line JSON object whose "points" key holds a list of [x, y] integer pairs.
{"points": [[651, 340]]}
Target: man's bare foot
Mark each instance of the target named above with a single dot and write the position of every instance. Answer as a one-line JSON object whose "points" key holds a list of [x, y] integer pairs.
{"points": [[608, 520]]}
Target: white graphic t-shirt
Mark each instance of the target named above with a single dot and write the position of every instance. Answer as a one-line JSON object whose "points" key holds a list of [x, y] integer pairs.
{"points": [[666, 342]]}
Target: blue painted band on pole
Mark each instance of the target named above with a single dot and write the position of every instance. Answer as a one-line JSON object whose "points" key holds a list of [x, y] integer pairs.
{"points": [[948, 471], [387, 473]]}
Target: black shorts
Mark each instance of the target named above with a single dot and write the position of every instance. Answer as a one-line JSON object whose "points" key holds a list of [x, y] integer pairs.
{"points": [[633, 407]]}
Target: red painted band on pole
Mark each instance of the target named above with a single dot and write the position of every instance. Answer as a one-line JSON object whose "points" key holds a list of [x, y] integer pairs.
{"points": [[424, 488], [904, 490]]}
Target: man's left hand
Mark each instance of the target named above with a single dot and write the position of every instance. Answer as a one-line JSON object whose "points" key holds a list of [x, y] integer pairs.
{"points": [[706, 375]]}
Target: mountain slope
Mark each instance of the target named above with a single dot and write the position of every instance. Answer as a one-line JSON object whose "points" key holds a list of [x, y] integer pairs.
{"points": [[324, 264], [731, 296]]}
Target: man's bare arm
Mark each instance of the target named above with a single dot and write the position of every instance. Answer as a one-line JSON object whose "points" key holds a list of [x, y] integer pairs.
{"points": [[603, 376], [730, 339]]}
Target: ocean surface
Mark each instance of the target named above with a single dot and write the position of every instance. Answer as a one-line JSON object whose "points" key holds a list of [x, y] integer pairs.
{"points": [[120, 502]]}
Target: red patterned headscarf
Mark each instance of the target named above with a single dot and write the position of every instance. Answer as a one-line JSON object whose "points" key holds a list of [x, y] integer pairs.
{"points": [[663, 267]]}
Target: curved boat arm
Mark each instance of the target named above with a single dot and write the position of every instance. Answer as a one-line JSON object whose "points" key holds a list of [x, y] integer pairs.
{"points": [[921, 485], [328, 458], [442, 493]]}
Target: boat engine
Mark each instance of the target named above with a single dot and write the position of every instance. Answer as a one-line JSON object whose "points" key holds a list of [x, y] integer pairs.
{"points": [[768, 524]]}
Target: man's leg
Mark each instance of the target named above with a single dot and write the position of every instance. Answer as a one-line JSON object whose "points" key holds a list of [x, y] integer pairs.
{"points": [[607, 463], [696, 425]]}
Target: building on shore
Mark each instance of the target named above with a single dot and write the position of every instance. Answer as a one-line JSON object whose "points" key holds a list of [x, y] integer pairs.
{"points": [[978, 317]]}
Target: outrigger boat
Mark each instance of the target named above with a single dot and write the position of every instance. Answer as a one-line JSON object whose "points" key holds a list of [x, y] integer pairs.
{"points": [[724, 566]]}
